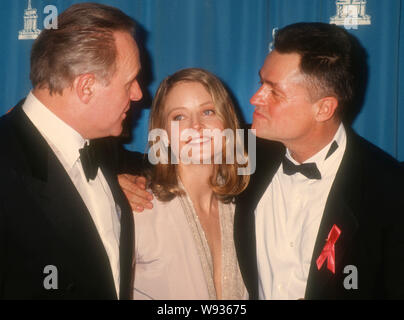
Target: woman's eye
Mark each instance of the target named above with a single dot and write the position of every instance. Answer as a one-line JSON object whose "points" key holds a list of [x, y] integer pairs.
{"points": [[209, 112], [178, 117]]}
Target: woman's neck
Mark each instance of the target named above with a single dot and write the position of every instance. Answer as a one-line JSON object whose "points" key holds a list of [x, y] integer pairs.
{"points": [[195, 179]]}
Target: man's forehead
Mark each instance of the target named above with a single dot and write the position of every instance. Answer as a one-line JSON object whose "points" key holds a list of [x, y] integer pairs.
{"points": [[286, 59], [125, 43], [279, 67], [127, 51]]}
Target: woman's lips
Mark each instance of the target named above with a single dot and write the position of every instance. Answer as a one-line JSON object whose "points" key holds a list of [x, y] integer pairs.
{"points": [[200, 140]]}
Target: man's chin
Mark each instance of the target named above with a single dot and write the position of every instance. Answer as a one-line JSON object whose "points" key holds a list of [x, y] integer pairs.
{"points": [[258, 131], [116, 132], [263, 134]]}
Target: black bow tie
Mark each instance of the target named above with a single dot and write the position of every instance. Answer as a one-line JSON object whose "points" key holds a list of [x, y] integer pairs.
{"points": [[90, 159], [309, 170]]}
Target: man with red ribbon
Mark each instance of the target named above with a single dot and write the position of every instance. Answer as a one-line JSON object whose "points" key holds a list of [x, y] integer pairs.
{"points": [[322, 198]]}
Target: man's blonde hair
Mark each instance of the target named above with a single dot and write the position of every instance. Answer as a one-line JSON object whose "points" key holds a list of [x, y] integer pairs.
{"points": [[82, 43]]}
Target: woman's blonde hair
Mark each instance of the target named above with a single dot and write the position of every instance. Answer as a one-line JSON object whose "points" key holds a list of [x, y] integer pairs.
{"points": [[225, 181]]}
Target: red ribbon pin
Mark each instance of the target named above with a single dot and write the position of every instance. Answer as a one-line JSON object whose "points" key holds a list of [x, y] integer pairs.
{"points": [[328, 252]]}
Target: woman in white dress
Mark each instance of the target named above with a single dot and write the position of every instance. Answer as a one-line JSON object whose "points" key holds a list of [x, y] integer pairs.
{"points": [[184, 245]]}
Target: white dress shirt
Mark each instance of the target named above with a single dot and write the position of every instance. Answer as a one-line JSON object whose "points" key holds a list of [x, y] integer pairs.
{"points": [[96, 194], [287, 219]]}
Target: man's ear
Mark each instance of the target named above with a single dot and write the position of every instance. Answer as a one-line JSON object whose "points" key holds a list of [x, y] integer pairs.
{"points": [[84, 85], [326, 108]]}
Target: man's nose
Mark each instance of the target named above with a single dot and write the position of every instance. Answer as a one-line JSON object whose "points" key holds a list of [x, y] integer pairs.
{"points": [[260, 97], [135, 92]]}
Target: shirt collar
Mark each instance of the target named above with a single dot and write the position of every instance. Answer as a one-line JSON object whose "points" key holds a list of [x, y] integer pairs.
{"points": [[67, 140], [320, 158]]}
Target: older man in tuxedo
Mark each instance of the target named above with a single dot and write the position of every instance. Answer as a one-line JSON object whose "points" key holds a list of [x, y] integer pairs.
{"points": [[66, 229], [322, 217]]}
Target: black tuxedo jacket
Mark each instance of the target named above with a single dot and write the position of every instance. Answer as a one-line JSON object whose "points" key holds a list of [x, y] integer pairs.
{"points": [[44, 221], [365, 202]]}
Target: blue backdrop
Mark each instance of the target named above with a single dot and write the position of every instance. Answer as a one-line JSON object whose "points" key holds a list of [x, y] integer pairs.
{"points": [[231, 39]]}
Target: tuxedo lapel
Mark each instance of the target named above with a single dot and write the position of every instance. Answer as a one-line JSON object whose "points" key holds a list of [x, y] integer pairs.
{"points": [[126, 243], [269, 155], [126, 253], [343, 201]]}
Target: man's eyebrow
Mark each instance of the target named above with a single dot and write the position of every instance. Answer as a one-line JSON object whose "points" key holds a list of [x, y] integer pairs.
{"points": [[135, 75], [272, 84]]}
